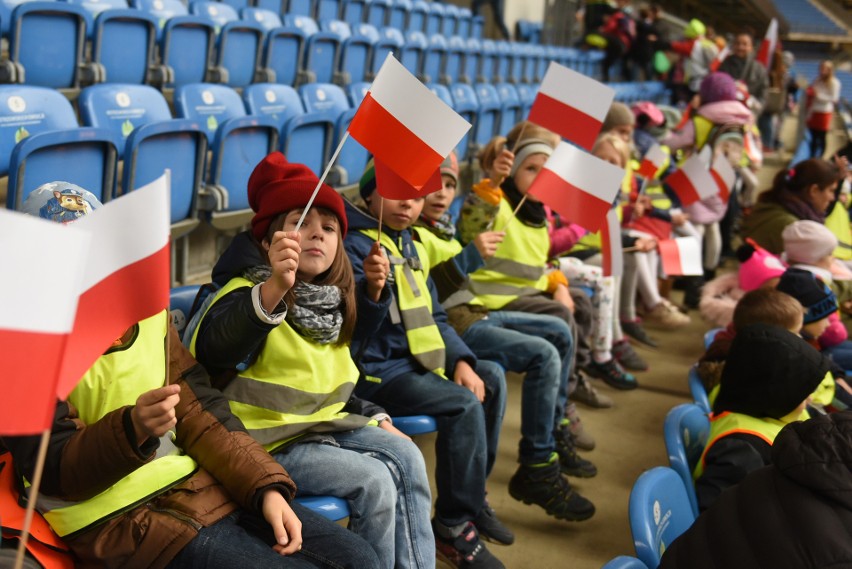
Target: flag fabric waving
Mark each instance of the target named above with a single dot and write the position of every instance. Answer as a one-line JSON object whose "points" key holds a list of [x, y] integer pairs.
{"points": [[767, 47], [44, 262], [405, 125], [693, 181], [392, 186], [579, 186], [126, 276], [724, 175], [652, 162], [571, 104], [612, 252], [681, 256]]}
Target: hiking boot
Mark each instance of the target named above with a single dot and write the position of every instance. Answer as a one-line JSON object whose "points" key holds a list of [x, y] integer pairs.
{"points": [[570, 462], [635, 331], [667, 315], [545, 486], [586, 394], [492, 529], [612, 374], [627, 356], [692, 293], [466, 550], [582, 439]]}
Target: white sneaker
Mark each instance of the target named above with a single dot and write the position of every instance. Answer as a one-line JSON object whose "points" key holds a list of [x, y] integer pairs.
{"points": [[667, 315]]}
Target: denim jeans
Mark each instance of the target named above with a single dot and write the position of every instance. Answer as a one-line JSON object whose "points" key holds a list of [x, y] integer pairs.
{"points": [[540, 346], [841, 354], [383, 477], [244, 539], [461, 446]]}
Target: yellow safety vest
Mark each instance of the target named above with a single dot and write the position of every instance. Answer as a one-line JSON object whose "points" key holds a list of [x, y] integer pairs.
{"points": [[295, 385], [415, 305], [440, 250], [116, 380], [518, 267], [838, 222], [728, 423]]}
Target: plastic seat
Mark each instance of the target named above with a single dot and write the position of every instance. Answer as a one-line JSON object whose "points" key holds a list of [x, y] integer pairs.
{"points": [[328, 10], [283, 47], [516, 62], [709, 336], [504, 57], [399, 11], [488, 118], [450, 21], [181, 300], [510, 107], [463, 23], [659, 511], [472, 61], [356, 52], [356, 93], [696, 388], [434, 19], [477, 25], [238, 143], [433, 59], [443, 93], [187, 46], [417, 16], [685, 430], [488, 65], [320, 53], [162, 10], [467, 105], [526, 94], [353, 11], [377, 12], [301, 8], [624, 562], [415, 424], [413, 52], [330, 507], [390, 41], [278, 7], [454, 61], [96, 7], [124, 44], [238, 42]]}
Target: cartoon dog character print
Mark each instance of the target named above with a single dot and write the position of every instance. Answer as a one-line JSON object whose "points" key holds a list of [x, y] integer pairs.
{"points": [[65, 206]]}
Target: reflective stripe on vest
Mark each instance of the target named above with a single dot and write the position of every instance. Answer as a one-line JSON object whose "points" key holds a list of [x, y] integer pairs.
{"points": [[293, 387], [116, 380], [415, 304], [838, 222], [729, 423], [438, 251], [518, 267]]}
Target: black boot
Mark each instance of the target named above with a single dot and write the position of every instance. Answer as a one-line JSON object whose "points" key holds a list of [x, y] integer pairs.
{"points": [[692, 292]]}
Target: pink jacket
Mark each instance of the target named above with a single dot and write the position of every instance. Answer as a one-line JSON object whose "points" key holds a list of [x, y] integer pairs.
{"points": [[720, 112], [563, 234], [834, 334]]}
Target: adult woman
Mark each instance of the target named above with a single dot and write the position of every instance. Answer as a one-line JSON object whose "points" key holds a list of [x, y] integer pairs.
{"points": [[822, 95]]}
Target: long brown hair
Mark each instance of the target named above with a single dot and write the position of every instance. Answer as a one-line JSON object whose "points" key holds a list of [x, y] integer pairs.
{"points": [[339, 274], [802, 176]]}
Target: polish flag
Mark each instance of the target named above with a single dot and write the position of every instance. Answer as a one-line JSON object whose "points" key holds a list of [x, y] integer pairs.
{"points": [[43, 266], [571, 104], [717, 61], [126, 276], [725, 176], [768, 45], [392, 186], [681, 256], [652, 162], [692, 182], [613, 255], [579, 186], [405, 125]]}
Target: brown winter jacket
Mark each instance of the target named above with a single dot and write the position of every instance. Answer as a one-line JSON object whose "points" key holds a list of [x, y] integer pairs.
{"points": [[84, 460]]}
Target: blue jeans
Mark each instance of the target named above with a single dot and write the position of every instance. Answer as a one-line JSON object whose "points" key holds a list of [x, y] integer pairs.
{"points": [[841, 354], [383, 477], [244, 539], [461, 446], [540, 346]]}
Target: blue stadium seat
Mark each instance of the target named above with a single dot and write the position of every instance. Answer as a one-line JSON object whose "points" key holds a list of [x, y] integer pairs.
{"points": [[805, 18], [624, 562], [367, 30], [488, 118], [162, 10], [187, 46], [710, 335], [328, 9], [355, 56], [181, 301], [378, 12], [450, 21], [696, 388], [353, 11], [504, 61], [124, 44], [238, 143], [472, 61], [443, 93], [329, 507], [278, 7], [237, 5], [433, 59], [57, 63], [488, 64], [527, 95], [95, 7], [283, 47], [301, 8], [356, 93], [659, 512], [399, 11], [454, 60], [510, 107], [417, 16], [319, 61], [390, 41], [477, 25], [342, 29], [238, 42], [464, 23], [517, 62], [413, 52], [685, 430], [467, 105], [434, 19], [415, 424]]}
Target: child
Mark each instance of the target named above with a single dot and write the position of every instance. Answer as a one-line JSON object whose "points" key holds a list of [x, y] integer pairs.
{"points": [[287, 305], [535, 344], [144, 475], [810, 246], [407, 363], [768, 378]]}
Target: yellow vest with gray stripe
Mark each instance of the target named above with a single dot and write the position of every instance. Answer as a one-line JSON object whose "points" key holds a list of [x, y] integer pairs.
{"points": [[518, 267], [116, 380], [295, 386], [438, 251], [838, 222], [729, 423], [414, 305]]}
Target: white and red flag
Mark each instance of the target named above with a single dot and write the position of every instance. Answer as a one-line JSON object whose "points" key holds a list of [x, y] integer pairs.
{"points": [[692, 181], [720, 57], [724, 174], [571, 104], [579, 186], [651, 163], [392, 186], [43, 264], [681, 256], [612, 252], [767, 47], [126, 276], [405, 125]]}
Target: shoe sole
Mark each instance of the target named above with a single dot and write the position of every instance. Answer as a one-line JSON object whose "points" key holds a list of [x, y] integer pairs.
{"points": [[566, 517], [621, 386], [578, 473]]}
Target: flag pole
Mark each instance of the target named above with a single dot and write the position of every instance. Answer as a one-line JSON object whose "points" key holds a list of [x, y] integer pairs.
{"points": [[321, 180], [381, 212], [28, 516], [168, 345]]}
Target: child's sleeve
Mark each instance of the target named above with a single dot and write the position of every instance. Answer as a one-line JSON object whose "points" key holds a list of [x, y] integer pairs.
{"points": [[834, 334], [479, 210], [727, 462]]}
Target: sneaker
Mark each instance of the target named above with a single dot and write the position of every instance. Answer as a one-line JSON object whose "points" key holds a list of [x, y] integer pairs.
{"points": [[546, 487], [612, 374], [492, 529], [635, 331], [570, 462], [627, 356], [586, 394], [466, 550], [667, 315], [582, 439]]}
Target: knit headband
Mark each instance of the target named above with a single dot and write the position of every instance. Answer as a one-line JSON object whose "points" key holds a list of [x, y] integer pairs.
{"points": [[528, 148]]}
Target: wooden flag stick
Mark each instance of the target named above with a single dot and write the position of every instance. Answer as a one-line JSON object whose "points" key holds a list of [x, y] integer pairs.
{"points": [[381, 212], [31, 502], [321, 180]]}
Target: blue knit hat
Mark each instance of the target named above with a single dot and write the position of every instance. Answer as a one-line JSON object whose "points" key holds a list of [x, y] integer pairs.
{"points": [[819, 301]]}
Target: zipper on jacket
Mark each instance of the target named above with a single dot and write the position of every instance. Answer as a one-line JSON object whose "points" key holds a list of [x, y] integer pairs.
{"points": [[177, 515]]}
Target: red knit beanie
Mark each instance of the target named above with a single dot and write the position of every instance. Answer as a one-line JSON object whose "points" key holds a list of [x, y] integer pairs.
{"points": [[277, 186]]}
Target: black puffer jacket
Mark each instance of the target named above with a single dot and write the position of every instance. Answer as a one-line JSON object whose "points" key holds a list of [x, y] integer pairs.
{"points": [[795, 514]]}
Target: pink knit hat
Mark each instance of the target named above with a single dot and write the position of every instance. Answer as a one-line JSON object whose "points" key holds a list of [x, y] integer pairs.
{"points": [[757, 265]]}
